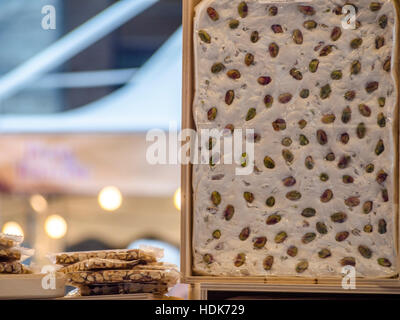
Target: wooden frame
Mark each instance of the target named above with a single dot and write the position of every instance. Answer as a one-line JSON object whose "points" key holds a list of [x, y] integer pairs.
{"points": [[388, 287], [284, 284]]}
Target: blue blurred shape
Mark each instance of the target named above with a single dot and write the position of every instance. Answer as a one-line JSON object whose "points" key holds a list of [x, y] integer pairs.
{"points": [[152, 99], [171, 253]]}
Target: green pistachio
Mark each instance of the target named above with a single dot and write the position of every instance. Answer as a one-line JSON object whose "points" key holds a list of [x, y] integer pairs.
{"points": [[324, 253], [383, 21], [204, 36], [297, 36], [217, 67], [249, 59], [273, 219], [244, 234], [309, 162], [341, 236], [287, 142], [370, 168], [251, 114], [212, 13], [216, 234], [375, 6], [325, 92], [339, 217], [322, 137], [273, 50], [229, 212], [382, 227], [307, 10], [268, 101], [313, 66], [302, 124], [259, 242], [367, 207], [215, 198], [270, 202], [301, 266], [321, 228], [381, 120], [268, 263], [292, 251], [355, 67], [269, 163], [309, 212], [348, 261], [229, 97], [352, 202], [281, 237], [254, 37], [361, 130], [336, 33], [303, 140], [384, 262], [379, 42], [305, 93], [368, 228], [372, 86], [380, 147], [288, 156], [293, 195], [248, 196], [240, 260], [212, 114], [330, 157], [234, 24], [356, 43], [324, 177], [382, 101], [243, 9], [346, 115], [336, 74], [285, 98], [326, 196], [308, 237], [350, 95], [310, 24], [208, 258]]}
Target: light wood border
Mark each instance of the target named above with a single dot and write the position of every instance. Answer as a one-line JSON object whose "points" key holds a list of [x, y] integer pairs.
{"points": [[362, 287], [294, 284]]}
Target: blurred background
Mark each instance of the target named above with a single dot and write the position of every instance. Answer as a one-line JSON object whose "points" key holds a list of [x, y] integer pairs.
{"points": [[76, 102]]}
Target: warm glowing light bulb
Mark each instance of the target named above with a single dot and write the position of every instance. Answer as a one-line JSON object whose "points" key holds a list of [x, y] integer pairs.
{"points": [[13, 228], [55, 226], [177, 199], [38, 203], [110, 198]]}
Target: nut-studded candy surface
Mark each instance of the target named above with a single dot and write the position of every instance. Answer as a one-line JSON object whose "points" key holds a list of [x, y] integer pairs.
{"points": [[324, 182]]}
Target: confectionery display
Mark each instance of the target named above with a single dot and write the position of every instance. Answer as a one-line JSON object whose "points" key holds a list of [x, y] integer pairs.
{"points": [[116, 272], [122, 288], [12, 254], [125, 255], [13, 267], [322, 98]]}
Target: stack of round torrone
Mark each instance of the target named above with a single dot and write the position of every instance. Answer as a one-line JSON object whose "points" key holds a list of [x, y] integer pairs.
{"points": [[12, 255], [321, 96], [117, 272]]}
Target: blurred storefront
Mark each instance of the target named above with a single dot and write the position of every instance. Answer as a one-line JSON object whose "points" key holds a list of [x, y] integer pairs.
{"points": [[71, 131]]}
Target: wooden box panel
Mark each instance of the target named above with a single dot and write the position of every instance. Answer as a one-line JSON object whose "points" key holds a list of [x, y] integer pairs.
{"points": [[293, 284]]}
